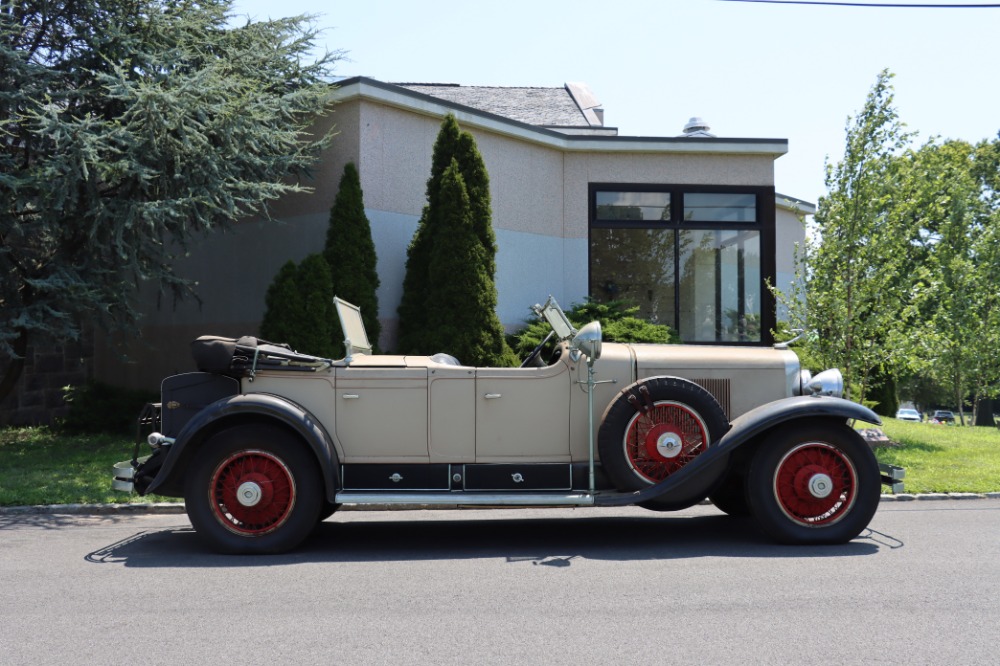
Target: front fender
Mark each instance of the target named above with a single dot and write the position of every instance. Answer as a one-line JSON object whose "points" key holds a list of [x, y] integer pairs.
{"points": [[236, 408], [744, 429]]}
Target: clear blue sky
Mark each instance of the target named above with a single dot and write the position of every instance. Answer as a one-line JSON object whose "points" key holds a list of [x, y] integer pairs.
{"points": [[749, 69]]}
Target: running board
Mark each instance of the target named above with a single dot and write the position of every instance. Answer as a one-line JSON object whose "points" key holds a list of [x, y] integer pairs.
{"points": [[465, 499]]}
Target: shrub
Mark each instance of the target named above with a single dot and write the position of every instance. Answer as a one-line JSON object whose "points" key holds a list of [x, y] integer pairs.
{"points": [[300, 307], [618, 324], [96, 407]]}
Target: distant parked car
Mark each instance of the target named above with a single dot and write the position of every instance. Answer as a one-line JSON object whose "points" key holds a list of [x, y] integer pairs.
{"points": [[943, 416], [909, 415]]}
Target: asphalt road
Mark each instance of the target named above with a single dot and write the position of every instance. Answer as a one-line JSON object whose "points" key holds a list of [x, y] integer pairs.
{"points": [[571, 586]]}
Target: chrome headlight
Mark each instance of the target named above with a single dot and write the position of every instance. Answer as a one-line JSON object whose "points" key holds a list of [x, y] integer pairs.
{"points": [[804, 378], [829, 382], [588, 341]]}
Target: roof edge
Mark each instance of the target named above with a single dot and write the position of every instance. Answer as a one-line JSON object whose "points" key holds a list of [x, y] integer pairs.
{"points": [[362, 87]]}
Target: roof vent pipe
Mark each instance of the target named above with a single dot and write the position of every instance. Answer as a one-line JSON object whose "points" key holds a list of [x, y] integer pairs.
{"points": [[696, 126]]}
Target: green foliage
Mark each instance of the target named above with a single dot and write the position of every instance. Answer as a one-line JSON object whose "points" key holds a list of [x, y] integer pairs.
{"points": [[414, 324], [283, 307], [129, 130], [350, 252], [882, 393], [299, 308], [461, 296], [97, 407], [853, 280], [954, 305], [618, 324], [42, 466], [901, 279], [453, 256]]}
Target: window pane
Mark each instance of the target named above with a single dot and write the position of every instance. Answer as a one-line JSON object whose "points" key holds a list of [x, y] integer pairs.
{"points": [[635, 265], [720, 296], [648, 206], [719, 207]]}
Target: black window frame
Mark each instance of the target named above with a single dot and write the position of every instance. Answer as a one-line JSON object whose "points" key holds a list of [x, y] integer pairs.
{"points": [[765, 225]]}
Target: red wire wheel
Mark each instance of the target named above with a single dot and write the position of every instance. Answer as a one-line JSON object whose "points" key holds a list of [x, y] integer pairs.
{"points": [[252, 492], [664, 439], [815, 484]]}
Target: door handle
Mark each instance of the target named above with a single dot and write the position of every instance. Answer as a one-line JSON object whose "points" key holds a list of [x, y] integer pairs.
{"points": [[351, 396], [492, 396]]}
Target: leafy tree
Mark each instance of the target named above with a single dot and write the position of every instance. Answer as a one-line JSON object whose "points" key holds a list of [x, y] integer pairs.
{"points": [[420, 331], [128, 130], [853, 277], [462, 298], [350, 253], [300, 308], [955, 306]]}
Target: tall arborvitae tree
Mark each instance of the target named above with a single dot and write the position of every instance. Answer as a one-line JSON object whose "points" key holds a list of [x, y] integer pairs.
{"points": [[418, 330], [462, 298], [413, 320], [317, 335], [350, 252], [300, 308], [283, 307]]}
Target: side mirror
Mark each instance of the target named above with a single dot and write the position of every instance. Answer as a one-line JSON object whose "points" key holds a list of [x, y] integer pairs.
{"points": [[588, 341]]}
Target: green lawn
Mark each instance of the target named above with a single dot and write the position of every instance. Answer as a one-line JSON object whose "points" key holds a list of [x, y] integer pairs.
{"points": [[38, 466], [944, 459]]}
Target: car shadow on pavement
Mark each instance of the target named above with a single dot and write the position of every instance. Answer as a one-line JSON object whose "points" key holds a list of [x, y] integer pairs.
{"points": [[547, 541]]}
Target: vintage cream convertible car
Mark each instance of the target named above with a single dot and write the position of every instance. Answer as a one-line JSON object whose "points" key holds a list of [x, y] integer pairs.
{"points": [[263, 442]]}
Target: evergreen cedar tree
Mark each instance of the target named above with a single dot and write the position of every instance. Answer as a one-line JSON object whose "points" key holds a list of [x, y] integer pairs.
{"points": [[300, 308], [130, 129], [350, 252], [419, 331]]}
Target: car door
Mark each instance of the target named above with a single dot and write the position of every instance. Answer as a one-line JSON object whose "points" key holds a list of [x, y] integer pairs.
{"points": [[382, 414], [523, 413]]}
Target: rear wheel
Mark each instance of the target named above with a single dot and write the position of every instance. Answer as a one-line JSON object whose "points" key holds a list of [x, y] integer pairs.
{"points": [[254, 489], [815, 483]]}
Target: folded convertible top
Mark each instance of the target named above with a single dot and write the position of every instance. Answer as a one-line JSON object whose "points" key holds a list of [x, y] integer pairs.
{"points": [[242, 357]]}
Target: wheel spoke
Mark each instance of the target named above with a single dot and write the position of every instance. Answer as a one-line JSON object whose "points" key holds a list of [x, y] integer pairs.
{"points": [[664, 439], [815, 484], [252, 493]]}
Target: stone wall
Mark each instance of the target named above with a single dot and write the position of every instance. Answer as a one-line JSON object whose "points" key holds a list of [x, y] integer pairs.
{"points": [[48, 368]]}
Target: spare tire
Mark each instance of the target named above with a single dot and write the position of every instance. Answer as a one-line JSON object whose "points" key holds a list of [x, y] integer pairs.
{"points": [[653, 429]]}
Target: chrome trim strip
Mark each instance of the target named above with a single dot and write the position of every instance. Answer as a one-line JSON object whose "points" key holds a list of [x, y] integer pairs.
{"points": [[471, 498]]}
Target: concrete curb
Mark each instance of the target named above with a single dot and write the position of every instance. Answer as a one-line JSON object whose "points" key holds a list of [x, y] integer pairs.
{"points": [[178, 507]]}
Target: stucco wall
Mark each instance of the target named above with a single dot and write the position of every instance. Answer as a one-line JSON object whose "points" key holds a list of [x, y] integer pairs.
{"points": [[539, 195]]}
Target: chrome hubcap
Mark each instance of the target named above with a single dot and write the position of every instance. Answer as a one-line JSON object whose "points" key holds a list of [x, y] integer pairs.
{"points": [[249, 494], [820, 486], [669, 445]]}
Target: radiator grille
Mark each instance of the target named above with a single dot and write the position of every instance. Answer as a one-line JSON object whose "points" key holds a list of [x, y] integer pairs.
{"points": [[720, 389]]}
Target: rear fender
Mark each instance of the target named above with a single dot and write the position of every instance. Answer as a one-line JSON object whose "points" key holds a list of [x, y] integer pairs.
{"points": [[747, 428], [239, 409]]}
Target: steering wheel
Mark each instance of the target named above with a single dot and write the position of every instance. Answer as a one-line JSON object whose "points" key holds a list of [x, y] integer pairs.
{"points": [[531, 358]]}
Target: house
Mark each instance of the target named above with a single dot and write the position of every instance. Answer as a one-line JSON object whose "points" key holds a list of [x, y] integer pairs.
{"points": [[689, 227]]}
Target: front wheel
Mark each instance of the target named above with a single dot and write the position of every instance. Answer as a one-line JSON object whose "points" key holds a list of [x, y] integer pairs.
{"points": [[815, 483], [254, 489]]}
